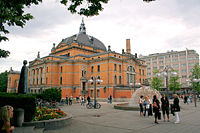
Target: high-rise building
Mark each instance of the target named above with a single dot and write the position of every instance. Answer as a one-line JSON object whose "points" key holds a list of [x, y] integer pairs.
{"points": [[180, 61]]}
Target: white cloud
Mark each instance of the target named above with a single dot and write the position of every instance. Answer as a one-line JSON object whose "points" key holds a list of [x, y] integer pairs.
{"points": [[152, 27]]}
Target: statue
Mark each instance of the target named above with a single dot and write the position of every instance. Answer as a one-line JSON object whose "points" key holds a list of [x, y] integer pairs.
{"points": [[23, 81]]}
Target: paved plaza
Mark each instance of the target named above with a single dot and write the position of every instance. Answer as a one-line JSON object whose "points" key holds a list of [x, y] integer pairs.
{"points": [[109, 120]]}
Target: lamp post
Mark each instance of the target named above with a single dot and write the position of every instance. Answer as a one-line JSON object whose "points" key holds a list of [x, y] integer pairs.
{"points": [[174, 74], [194, 80], [96, 80], [165, 73]]}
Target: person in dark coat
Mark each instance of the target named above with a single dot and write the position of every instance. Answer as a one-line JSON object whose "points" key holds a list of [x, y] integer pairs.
{"points": [[156, 108], [67, 99], [176, 108], [88, 99], [165, 106]]}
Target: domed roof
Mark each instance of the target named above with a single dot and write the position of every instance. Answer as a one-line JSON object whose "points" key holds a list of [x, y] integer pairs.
{"points": [[84, 39]]}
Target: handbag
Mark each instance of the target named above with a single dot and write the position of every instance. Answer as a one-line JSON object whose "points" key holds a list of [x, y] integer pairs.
{"points": [[159, 116]]}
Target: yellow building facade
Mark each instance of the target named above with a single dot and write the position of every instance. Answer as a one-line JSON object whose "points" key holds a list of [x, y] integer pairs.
{"points": [[81, 57]]}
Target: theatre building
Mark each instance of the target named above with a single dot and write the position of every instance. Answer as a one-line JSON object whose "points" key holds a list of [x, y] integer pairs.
{"points": [[81, 57]]}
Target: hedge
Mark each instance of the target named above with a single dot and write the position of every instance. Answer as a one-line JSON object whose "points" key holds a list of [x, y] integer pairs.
{"points": [[27, 102]]}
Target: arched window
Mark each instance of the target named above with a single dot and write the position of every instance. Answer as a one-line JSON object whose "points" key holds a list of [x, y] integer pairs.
{"points": [[115, 79]]}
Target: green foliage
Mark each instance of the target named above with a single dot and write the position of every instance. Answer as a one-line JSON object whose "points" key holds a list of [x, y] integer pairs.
{"points": [[156, 83], [86, 7], [174, 85], [3, 81], [26, 102], [195, 75], [51, 94]]}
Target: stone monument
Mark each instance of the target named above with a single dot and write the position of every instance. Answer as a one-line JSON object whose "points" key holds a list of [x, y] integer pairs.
{"points": [[23, 81]]}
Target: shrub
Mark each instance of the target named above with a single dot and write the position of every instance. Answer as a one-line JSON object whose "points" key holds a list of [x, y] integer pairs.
{"points": [[52, 94], [26, 102]]}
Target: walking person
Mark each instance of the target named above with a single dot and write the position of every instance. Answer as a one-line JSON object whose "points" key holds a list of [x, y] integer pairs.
{"points": [[176, 108], [67, 99], [165, 107], [156, 108], [6, 113], [191, 97], [141, 105], [88, 99], [70, 100], [110, 99]]}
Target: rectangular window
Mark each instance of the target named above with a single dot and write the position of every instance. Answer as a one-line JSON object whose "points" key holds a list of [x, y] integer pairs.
{"points": [[182, 59], [191, 64], [142, 72], [148, 73], [61, 69], [183, 71], [176, 66], [127, 78], [47, 69], [161, 62], [183, 65], [175, 60], [161, 57]]}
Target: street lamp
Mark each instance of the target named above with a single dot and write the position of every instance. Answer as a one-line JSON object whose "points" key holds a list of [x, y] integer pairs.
{"points": [[96, 80], [194, 80], [165, 73], [174, 74]]}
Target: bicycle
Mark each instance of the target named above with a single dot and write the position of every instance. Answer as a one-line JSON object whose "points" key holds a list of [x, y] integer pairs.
{"points": [[91, 105]]}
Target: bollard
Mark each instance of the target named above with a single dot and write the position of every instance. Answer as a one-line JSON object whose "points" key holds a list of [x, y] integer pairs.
{"points": [[19, 117]]}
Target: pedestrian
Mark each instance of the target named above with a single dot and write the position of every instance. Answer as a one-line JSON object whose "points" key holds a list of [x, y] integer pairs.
{"points": [[110, 99], [165, 107], [88, 99], [185, 99], [70, 100], [67, 99], [141, 105], [82, 101], [176, 108], [6, 113], [146, 105], [191, 97], [156, 108]]}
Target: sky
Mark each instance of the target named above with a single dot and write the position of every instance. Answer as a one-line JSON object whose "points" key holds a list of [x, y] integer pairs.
{"points": [[155, 27]]}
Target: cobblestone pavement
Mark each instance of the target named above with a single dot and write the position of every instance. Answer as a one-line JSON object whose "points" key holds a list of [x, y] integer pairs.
{"points": [[109, 120]]}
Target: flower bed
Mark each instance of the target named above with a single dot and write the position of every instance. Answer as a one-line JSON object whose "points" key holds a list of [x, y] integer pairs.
{"points": [[44, 113]]}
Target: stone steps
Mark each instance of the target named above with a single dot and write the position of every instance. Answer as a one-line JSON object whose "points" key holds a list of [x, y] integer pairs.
{"points": [[29, 129]]}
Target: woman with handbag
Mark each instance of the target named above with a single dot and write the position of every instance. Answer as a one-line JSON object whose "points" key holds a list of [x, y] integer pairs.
{"points": [[156, 108], [176, 108]]}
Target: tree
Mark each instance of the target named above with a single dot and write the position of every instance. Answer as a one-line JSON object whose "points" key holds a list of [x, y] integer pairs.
{"points": [[174, 84], [195, 75], [156, 82], [51, 94], [3, 81]]}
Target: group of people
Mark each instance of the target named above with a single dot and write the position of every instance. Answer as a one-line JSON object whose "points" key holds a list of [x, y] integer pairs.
{"points": [[6, 113], [69, 100], [146, 105]]}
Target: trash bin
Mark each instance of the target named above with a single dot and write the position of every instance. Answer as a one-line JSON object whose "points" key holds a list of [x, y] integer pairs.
{"points": [[18, 117]]}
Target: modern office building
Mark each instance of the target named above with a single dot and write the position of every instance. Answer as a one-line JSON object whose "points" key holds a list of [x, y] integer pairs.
{"points": [[180, 61], [81, 57]]}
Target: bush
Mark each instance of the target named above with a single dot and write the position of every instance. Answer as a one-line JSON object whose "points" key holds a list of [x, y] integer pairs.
{"points": [[51, 94], [15, 100]]}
